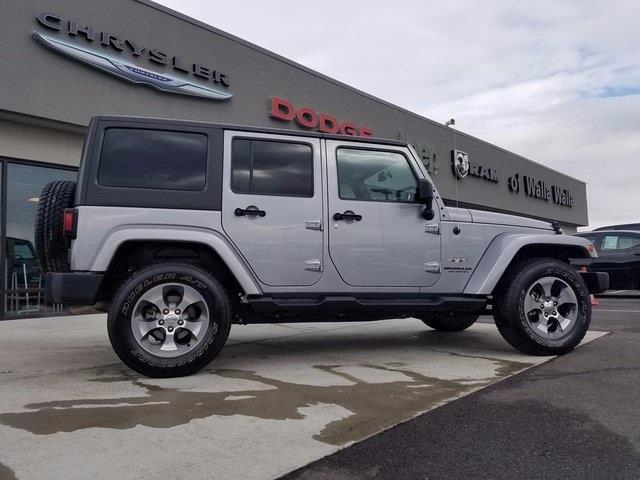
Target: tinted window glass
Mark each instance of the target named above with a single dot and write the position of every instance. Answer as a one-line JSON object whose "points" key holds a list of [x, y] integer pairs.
{"points": [[22, 251], [272, 168], [153, 159], [375, 176], [619, 242]]}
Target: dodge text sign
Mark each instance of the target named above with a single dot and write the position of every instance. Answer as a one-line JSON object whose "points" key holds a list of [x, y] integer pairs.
{"points": [[305, 117]]}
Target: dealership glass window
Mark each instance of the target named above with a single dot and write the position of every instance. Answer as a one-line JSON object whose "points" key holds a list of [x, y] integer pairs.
{"points": [[372, 175], [619, 242], [153, 159], [264, 167], [24, 282]]}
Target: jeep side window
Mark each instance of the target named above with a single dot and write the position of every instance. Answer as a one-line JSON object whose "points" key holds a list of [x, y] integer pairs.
{"points": [[265, 167], [372, 175], [160, 159]]}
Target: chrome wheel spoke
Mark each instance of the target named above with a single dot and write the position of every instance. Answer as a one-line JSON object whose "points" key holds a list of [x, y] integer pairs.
{"points": [[547, 284], [145, 327], [530, 304], [169, 344], [189, 298], [563, 322], [566, 296], [193, 328], [154, 297]]}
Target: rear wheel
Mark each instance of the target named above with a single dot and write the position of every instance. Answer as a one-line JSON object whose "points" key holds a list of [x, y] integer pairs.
{"points": [[542, 307], [169, 320], [449, 322]]}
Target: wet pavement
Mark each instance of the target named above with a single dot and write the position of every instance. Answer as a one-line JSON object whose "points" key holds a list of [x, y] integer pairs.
{"points": [[277, 398], [575, 417]]}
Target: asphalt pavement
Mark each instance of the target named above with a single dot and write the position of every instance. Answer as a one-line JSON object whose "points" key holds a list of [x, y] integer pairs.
{"points": [[575, 417]]}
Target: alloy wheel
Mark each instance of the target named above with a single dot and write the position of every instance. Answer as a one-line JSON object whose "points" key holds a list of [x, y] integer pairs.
{"points": [[551, 307], [170, 320]]}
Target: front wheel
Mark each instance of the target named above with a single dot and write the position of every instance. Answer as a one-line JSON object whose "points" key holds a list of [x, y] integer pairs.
{"points": [[542, 307], [169, 320]]}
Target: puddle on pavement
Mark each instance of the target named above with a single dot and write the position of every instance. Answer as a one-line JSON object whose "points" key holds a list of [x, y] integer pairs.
{"points": [[373, 406]]}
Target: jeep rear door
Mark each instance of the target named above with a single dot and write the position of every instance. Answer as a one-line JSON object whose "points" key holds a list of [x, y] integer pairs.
{"points": [[272, 205], [377, 236]]}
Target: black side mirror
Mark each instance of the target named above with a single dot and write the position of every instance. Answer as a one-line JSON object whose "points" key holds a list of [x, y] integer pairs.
{"points": [[425, 197]]}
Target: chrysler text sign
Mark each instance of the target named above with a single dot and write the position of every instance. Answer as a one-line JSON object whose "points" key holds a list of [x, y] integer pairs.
{"points": [[308, 118], [108, 52]]}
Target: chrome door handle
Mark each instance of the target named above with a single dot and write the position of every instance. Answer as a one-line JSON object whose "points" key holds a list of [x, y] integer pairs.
{"points": [[348, 215], [250, 211]]}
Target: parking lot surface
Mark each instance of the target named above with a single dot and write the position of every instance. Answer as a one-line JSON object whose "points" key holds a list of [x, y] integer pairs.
{"points": [[278, 398], [575, 417]]}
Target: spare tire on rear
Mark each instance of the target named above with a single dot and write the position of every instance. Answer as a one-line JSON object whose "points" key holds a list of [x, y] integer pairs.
{"points": [[51, 245]]}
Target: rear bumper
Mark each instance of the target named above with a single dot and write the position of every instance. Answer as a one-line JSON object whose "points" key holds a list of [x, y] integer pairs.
{"points": [[73, 288], [597, 282]]}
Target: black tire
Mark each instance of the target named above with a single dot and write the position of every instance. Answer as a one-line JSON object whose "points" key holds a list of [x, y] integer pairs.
{"points": [[51, 246], [41, 216], [449, 322], [511, 318], [119, 320]]}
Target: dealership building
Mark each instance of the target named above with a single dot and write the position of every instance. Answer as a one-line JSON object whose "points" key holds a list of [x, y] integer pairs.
{"points": [[64, 62]]}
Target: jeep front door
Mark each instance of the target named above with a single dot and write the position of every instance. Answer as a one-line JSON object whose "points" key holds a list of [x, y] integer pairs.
{"points": [[272, 205], [377, 235]]}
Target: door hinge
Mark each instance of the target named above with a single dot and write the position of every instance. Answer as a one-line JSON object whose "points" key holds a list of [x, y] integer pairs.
{"points": [[432, 267], [435, 229], [313, 265], [313, 225]]}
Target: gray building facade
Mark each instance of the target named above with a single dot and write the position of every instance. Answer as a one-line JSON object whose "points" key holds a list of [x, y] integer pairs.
{"points": [[65, 61]]}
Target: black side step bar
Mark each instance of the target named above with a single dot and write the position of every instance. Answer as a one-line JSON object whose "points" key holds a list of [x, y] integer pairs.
{"points": [[326, 304]]}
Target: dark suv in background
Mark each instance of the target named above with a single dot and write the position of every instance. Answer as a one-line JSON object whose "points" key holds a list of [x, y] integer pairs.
{"points": [[618, 255]]}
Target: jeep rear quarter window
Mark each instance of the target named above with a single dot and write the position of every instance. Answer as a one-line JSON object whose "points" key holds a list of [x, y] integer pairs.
{"points": [[265, 167], [159, 159]]}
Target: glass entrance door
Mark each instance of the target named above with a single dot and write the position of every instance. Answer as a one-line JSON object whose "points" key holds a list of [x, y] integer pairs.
{"points": [[23, 281]]}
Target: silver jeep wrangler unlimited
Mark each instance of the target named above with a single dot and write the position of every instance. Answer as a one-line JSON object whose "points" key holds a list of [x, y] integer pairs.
{"points": [[179, 229]]}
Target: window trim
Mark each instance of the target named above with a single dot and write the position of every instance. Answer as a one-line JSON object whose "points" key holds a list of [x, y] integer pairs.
{"points": [[272, 140], [103, 137], [411, 168]]}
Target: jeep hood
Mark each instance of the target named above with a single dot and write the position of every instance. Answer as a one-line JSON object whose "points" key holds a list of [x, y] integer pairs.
{"points": [[481, 216]]}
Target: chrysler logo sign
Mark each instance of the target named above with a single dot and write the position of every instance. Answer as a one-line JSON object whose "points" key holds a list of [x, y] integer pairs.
{"points": [[192, 79]]}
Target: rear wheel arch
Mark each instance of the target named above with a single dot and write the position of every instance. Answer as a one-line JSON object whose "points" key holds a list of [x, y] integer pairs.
{"points": [[134, 255]]}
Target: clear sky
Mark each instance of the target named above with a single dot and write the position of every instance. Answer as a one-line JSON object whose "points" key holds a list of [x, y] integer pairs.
{"points": [[556, 81]]}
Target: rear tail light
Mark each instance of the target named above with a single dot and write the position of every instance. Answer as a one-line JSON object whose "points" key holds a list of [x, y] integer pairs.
{"points": [[70, 223]]}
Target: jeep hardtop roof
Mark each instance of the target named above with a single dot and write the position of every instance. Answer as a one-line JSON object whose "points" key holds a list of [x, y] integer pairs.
{"points": [[165, 122]]}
